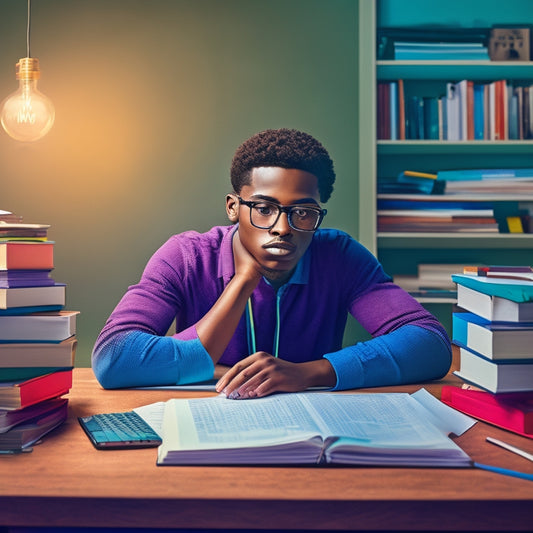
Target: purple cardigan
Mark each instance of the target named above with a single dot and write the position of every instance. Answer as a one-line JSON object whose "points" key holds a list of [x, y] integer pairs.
{"points": [[335, 276]]}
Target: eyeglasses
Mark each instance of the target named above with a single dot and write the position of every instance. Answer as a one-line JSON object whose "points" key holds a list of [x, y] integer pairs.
{"points": [[265, 215]]}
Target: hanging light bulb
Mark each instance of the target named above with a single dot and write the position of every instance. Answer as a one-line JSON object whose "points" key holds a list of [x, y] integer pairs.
{"points": [[27, 114]]}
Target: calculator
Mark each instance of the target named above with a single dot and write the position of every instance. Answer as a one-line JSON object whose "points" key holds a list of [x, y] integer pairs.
{"points": [[112, 431]]}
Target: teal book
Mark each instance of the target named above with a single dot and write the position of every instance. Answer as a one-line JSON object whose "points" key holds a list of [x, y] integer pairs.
{"points": [[431, 118], [484, 174], [393, 110], [21, 373], [510, 289]]}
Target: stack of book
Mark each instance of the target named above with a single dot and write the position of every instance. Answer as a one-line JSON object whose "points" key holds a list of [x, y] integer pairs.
{"points": [[494, 334], [433, 280], [436, 51], [435, 216], [501, 195], [37, 337], [432, 43]]}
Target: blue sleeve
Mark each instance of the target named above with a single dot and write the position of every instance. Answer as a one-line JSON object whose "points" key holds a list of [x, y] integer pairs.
{"points": [[409, 354], [136, 358]]}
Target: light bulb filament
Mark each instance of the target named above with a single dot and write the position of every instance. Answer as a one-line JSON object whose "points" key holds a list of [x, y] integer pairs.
{"points": [[26, 114]]}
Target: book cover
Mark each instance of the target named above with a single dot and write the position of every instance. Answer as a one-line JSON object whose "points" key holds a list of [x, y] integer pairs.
{"points": [[24, 373], [512, 289], [475, 174], [26, 255], [479, 111], [18, 394], [37, 354], [393, 110], [25, 278], [401, 111], [366, 429], [22, 436], [493, 340], [14, 417], [431, 118], [493, 308], [495, 376], [14, 297], [51, 326], [511, 411], [453, 112], [18, 230]]}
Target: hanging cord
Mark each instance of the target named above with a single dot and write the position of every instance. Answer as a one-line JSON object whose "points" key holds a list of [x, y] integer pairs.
{"points": [[28, 30]]}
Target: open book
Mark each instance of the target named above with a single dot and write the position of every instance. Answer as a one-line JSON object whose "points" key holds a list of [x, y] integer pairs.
{"points": [[389, 429]]}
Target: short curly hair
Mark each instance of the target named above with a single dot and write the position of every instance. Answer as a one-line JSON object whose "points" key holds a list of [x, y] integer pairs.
{"points": [[285, 148]]}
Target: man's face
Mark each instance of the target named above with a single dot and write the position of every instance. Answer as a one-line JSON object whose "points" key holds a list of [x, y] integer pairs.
{"points": [[279, 248]]}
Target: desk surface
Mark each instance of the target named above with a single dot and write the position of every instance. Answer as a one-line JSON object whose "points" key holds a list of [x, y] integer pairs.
{"points": [[67, 482]]}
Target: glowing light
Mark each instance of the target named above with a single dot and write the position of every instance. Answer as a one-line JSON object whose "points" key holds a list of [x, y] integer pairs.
{"points": [[27, 114]]}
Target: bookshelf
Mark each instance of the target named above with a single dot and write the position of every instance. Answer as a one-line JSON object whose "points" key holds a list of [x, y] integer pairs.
{"points": [[400, 253]]}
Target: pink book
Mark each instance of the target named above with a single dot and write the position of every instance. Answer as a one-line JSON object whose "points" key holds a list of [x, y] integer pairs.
{"points": [[512, 411]]}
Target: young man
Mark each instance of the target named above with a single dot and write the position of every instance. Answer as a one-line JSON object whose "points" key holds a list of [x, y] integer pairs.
{"points": [[268, 296]]}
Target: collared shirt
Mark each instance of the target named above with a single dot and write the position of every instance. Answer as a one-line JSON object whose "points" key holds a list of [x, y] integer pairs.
{"points": [[336, 276]]}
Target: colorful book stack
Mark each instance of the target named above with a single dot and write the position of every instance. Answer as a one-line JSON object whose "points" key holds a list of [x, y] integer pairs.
{"points": [[495, 339], [37, 337], [465, 110]]}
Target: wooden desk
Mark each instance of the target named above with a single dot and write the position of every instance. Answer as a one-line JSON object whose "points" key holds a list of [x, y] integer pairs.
{"points": [[67, 482]]}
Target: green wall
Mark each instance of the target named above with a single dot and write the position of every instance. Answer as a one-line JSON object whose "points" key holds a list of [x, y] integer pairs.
{"points": [[152, 97]]}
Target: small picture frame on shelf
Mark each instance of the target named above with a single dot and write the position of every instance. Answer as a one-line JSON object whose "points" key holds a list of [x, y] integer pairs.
{"points": [[509, 43]]}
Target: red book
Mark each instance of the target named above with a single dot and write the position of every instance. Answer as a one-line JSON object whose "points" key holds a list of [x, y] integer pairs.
{"points": [[26, 255], [470, 110], [401, 111], [512, 411], [19, 394]]}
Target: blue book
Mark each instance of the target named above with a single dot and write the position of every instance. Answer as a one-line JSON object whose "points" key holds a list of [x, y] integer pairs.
{"points": [[479, 111], [27, 310], [393, 95], [431, 118], [25, 278], [428, 204], [492, 339]]}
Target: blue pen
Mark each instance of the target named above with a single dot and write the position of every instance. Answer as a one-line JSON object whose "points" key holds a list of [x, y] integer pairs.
{"points": [[505, 471]]}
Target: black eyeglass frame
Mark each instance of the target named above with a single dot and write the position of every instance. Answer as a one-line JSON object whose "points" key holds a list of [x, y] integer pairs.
{"points": [[283, 209]]}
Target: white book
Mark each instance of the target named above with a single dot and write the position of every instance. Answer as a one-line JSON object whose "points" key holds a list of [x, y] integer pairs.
{"points": [[492, 307], [496, 377], [453, 112], [307, 428], [53, 295], [48, 326]]}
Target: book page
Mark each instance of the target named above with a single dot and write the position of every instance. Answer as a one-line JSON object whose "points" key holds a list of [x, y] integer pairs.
{"points": [[218, 422], [393, 420]]}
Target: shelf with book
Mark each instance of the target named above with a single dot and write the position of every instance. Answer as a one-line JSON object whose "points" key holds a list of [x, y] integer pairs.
{"points": [[384, 159], [438, 70], [499, 241], [413, 146]]}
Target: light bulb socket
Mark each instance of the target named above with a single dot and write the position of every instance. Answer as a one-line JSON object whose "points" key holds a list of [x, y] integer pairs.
{"points": [[28, 68]]}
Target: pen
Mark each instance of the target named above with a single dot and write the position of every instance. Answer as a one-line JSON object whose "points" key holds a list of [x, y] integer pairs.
{"points": [[505, 471], [510, 448]]}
